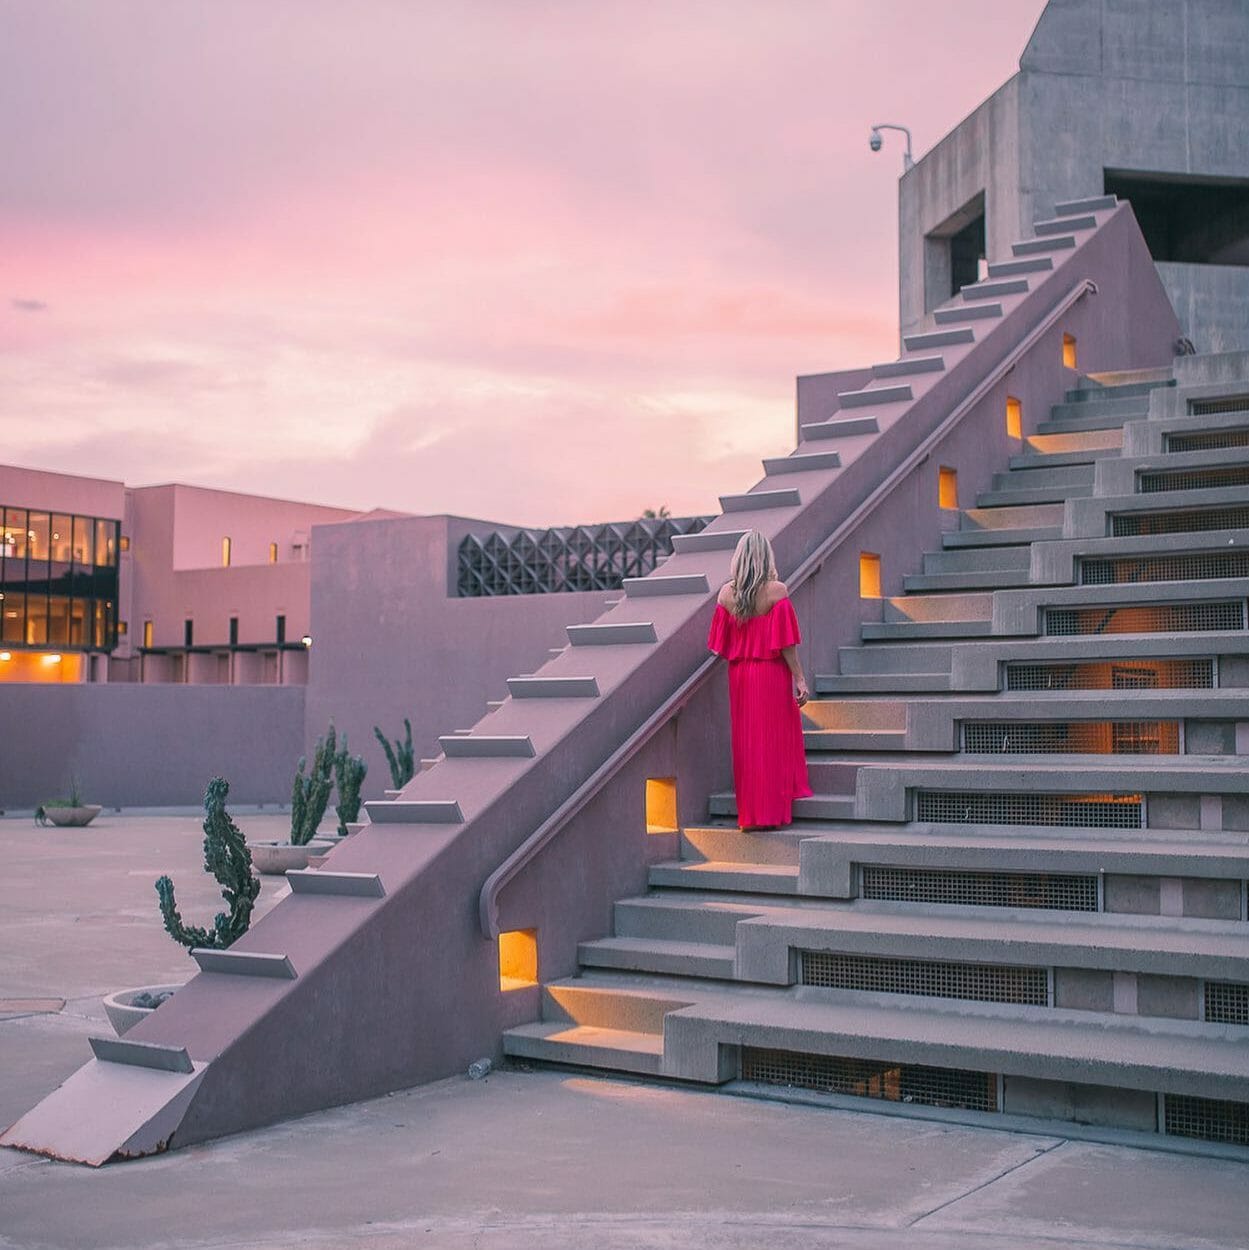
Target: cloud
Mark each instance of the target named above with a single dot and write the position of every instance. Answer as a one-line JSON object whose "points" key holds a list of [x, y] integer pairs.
{"points": [[28, 305]]}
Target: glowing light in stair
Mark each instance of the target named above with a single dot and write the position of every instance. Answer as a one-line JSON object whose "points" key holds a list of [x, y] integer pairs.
{"points": [[869, 575], [518, 959], [1069, 351], [1014, 417], [947, 487], [661, 805]]}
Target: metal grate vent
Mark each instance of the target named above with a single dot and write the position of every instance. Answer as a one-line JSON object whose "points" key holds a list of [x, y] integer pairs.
{"points": [[1113, 675], [1151, 480], [1085, 811], [979, 889], [1227, 1002], [1180, 521], [1209, 440], [1184, 567], [1209, 1119], [929, 978], [1208, 407], [1160, 618], [872, 1078], [1071, 737]]}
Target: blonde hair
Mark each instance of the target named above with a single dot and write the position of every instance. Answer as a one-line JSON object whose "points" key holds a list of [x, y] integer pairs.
{"points": [[754, 565]]}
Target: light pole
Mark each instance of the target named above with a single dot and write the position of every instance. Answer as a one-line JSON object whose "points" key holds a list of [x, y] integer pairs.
{"points": [[875, 140]]}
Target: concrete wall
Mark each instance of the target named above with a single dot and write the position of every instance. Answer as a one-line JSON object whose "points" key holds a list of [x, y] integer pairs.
{"points": [[1152, 86], [389, 641], [61, 492], [132, 745]]}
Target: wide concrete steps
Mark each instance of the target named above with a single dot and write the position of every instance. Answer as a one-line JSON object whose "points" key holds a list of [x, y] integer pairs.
{"points": [[706, 1025], [664, 956], [1002, 537], [817, 807]]}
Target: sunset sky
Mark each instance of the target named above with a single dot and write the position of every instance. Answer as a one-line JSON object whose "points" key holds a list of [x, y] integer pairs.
{"points": [[545, 263]]}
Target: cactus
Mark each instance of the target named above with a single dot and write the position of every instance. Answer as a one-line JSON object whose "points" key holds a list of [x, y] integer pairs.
{"points": [[349, 773], [225, 856], [310, 794], [399, 756]]}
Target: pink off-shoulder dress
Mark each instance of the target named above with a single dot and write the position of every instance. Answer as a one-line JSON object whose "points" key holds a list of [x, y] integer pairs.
{"points": [[769, 761]]}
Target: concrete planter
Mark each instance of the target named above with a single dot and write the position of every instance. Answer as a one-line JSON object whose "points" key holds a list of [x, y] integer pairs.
{"points": [[73, 816], [121, 1010], [272, 859]]}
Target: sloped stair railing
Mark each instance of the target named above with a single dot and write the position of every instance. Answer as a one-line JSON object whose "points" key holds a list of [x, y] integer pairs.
{"points": [[515, 863]]}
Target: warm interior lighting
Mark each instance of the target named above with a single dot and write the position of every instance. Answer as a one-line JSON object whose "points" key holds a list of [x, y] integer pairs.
{"points": [[518, 959], [306, 642], [273, 553], [41, 666], [1069, 351], [5, 655], [661, 805], [869, 575], [52, 659], [147, 633], [123, 628], [225, 553], [125, 542], [1014, 417], [947, 487]]}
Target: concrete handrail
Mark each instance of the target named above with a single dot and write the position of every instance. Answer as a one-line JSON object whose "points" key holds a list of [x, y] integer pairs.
{"points": [[488, 901]]}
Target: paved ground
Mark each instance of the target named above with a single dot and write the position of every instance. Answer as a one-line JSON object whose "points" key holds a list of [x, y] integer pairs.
{"points": [[521, 1159]]}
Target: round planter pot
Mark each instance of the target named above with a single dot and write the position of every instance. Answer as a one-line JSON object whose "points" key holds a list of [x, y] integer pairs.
{"points": [[272, 859], [121, 1010], [73, 816]]}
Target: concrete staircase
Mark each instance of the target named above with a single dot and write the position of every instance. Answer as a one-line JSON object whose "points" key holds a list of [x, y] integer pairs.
{"points": [[1019, 892]]}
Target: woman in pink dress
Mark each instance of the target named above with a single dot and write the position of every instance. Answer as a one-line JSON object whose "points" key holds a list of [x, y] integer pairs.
{"points": [[755, 629]]}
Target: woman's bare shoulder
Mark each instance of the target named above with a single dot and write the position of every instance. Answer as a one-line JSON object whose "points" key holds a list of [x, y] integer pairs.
{"points": [[774, 592], [725, 597]]}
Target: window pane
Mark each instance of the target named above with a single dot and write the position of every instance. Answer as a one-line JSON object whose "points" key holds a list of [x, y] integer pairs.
{"points": [[39, 533], [14, 537], [62, 538], [36, 619], [14, 618], [78, 623], [105, 542], [58, 620], [84, 541]]}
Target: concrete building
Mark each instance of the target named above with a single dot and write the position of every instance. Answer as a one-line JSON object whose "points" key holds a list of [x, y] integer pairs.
{"points": [[1144, 99]]}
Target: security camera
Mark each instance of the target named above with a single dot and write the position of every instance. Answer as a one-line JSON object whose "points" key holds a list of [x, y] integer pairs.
{"points": [[874, 141]]}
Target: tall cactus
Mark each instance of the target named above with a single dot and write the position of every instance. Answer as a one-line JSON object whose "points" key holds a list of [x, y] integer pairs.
{"points": [[225, 856], [310, 795], [399, 756], [349, 773]]}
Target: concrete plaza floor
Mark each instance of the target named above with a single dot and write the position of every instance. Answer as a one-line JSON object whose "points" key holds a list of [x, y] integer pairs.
{"points": [[523, 1158]]}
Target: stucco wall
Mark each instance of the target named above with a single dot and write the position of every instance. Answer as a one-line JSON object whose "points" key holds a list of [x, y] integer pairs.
{"points": [[131, 745]]}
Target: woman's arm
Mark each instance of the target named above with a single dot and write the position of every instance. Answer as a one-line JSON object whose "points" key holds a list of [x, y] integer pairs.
{"points": [[790, 656]]}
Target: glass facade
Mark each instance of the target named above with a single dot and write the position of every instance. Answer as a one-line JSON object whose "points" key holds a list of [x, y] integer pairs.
{"points": [[58, 580]]}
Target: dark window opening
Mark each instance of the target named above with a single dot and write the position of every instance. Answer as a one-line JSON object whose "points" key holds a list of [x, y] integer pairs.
{"points": [[1187, 218], [188, 633], [234, 631], [954, 252], [280, 629]]}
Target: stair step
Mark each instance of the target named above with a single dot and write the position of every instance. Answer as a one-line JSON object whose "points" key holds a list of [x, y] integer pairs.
{"points": [[1031, 264], [586, 1046], [134, 1054], [1092, 204], [981, 579], [486, 746], [754, 501], [854, 739], [938, 338], [994, 289], [844, 427], [974, 605], [931, 658], [1029, 477], [888, 630], [964, 539], [802, 462], [657, 955], [1018, 519], [1129, 409], [553, 687], [1051, 243], [1040, 494], [881, 683], [672, 584], [1107, 421], [978, 560], [875, 395], [750, 878], [322, 881], [706, 540], [964, 312], [1065, 225], [1032, 462], [907, 367], [610, 634], [243, 963], [415, 812], [818, 807]]}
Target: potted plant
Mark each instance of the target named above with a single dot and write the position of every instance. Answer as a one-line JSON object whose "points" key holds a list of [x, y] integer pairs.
{"points": [[70, 812], [310, 795], [399, 756], [225, 856]]}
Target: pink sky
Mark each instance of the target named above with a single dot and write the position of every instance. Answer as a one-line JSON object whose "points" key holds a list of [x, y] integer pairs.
{"points": [[540, 262]]}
